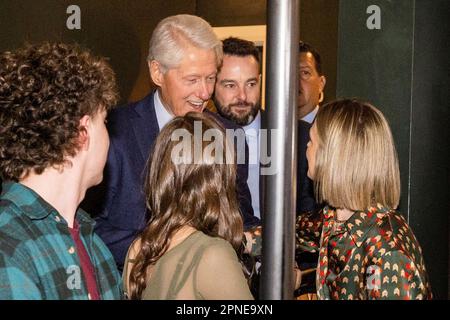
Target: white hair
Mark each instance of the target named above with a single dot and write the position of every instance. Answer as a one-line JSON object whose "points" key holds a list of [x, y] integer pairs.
{"points": [[173, 34]]}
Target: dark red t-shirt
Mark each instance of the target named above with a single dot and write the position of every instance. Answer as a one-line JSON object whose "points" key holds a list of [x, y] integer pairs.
{"points": [[86, 264]]}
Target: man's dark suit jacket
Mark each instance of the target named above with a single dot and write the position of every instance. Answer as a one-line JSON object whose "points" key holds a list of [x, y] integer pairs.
{"points": [[305, 202], [123, 214], [305, 188]]}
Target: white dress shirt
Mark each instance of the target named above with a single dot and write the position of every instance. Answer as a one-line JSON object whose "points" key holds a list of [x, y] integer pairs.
{"points": [[311, 116], [252, 134], [162, 115]]}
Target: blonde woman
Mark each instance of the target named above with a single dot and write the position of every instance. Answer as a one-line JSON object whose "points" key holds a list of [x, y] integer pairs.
{"points": [[189, 248], [366, 250]]}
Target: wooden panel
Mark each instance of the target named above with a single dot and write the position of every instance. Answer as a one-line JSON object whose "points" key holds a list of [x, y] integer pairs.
{"points": [[232, 13]]}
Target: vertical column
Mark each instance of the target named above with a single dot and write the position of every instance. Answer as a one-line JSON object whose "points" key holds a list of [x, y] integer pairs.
{"points": [[281, 93]]}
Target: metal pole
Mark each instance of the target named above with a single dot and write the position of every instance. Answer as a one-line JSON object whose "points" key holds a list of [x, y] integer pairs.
{"points": [[281, 96]]}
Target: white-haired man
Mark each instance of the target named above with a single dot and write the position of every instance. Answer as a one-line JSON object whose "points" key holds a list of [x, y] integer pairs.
{"points": [[183, 59]]}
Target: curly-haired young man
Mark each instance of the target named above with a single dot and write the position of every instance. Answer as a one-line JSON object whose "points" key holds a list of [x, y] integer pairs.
{"points": [[53, 146]]}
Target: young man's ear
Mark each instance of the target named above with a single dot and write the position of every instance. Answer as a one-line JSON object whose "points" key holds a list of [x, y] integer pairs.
{"points": [[156, 73], [83, 137]]}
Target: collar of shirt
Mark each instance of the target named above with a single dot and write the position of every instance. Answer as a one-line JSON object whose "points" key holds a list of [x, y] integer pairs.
{"points": [[162, 115], [311, 116], [252, 129], [360, 223], [37, 208]]}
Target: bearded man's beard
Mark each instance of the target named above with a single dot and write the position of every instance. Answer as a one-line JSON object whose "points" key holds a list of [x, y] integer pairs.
{"points": [[241, 119]]}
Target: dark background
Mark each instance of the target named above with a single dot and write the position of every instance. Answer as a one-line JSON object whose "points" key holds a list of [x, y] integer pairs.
{"points": [[403, 69]]}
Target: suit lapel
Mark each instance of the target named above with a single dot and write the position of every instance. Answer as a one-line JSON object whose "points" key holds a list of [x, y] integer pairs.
{"points": [[145, 125]]}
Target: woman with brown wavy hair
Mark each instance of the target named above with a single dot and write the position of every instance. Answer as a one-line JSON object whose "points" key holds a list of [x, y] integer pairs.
{"points": [[188, 249]]}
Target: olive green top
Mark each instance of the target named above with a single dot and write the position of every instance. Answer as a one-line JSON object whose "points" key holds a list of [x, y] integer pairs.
{"points": [[199, 268]]}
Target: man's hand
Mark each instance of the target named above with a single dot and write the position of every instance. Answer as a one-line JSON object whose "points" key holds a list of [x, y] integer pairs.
{"points": [[253, 243]]}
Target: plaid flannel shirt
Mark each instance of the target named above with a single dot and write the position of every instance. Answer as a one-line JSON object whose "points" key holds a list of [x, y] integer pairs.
{"points": [[38, 258]]}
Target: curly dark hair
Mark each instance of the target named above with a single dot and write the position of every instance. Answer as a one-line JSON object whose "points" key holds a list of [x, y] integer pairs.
{"points": [[45, 90]]}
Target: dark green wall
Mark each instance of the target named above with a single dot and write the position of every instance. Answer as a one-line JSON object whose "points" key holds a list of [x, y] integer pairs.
{"points": [[430, 136], [118, 29], [403, 70], [121, 29], [376, 65]]}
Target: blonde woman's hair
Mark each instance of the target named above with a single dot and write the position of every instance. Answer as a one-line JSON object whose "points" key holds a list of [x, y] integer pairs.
{"points": [[356, 160], [173, 34]]}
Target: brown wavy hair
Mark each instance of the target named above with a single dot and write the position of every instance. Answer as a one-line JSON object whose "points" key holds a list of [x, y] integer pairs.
{"points": [[45, 90], [200, 194]]}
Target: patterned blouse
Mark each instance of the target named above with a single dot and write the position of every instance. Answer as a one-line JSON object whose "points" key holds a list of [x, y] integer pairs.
{"points": [[372, 255]]}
